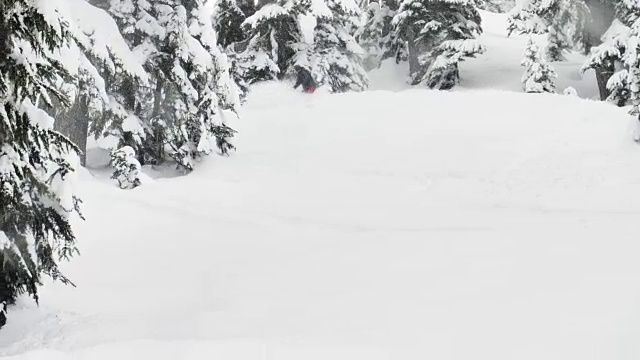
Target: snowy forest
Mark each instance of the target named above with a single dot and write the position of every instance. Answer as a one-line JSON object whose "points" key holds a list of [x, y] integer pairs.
{"points": [[186, 104]]}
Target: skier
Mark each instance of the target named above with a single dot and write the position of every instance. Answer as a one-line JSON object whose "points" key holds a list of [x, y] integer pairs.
{"points": [[306, 80]]}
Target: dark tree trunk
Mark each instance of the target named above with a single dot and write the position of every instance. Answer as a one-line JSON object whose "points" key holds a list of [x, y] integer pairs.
{"points": [[601, 15], [414, 64], [603, 76], [74, 124], [157, 99], [156, 114], [5, 295]]}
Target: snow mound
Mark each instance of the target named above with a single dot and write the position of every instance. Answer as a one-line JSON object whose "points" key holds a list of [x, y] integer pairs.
{"points": [[486, 225]]}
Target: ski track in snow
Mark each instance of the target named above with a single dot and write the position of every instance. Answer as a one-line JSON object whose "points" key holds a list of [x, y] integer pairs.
{"points": [[475, 224]]}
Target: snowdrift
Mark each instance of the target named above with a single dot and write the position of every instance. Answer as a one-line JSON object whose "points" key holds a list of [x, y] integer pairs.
{"points": [[378, 225]]}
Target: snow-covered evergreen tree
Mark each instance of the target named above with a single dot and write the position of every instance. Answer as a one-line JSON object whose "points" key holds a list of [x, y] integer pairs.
{"points": [[238, 72], [627, 11], [128, 121], [127, 169], [180, 113], [336, 54], [186, 105], [624, 85], [562, 20], [275, 46], [617, 56], [498, 6], [36, 162], [274, 39], [222, 93], [538, 76], [228, 17], [375, 34], [608, 56], [438, 35], [228, 22], [99, 59]]}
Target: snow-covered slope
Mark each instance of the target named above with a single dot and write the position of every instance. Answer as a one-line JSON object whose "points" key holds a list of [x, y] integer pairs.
{"points": [[481, 224], [380, 225]]}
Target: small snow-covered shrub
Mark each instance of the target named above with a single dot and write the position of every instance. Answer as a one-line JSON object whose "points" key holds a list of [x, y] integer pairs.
{"points": [[538, 76], [570, 91], [126, 168]]}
